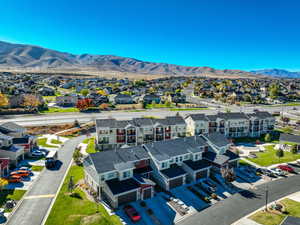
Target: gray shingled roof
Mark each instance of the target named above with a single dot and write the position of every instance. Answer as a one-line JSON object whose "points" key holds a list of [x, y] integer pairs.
{"points": [[11, 127], [117, 159], [260, 114], [217, 139], [143, 122], [198, 117], [232, 115], [113, 123]]}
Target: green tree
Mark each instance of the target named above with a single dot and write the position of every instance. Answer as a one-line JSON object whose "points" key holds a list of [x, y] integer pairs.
{"points": [[294, 149], [279, 153], [84, 92], [71, 185], [78, 156], [268, 138]]}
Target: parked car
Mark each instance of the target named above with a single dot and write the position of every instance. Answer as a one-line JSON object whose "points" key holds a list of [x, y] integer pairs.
{"points": [[14, 179], [21, 173], [266, 172], [278, 172], [298, 161], [252, 155], [37, 153], [286, 168], [132, 213]]}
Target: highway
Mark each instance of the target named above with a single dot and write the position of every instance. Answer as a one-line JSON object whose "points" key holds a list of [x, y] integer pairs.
{"points": [[59, 118]]}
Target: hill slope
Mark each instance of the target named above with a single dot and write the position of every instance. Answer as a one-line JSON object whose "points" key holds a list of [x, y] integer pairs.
{"points": [[277, 73], [35, 57]]}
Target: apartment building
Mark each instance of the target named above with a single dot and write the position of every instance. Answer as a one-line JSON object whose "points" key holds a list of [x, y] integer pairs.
{"points": [[120, 176], [130, 174], [236, 124], [112, 133]]}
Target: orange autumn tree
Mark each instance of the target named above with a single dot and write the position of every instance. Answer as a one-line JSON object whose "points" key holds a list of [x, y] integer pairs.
{"points": [[3, 100], [31, 102], [84, 104]]}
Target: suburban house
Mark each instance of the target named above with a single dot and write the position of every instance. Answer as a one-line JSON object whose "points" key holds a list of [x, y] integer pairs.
{"points": [[150, 98], [123, 99], [8, 150], [112, 133], [18, 135], [236, 124], [130, 174], [120, 176], [67, 100]]}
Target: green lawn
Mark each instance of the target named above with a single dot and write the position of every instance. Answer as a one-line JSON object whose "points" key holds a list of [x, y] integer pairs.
{"points": [[91, 148], [42, 142], [78, 210], [266, 218], [60, 110], [37, 168], [286, 104], [268, 157], [243, 163], [54, 141], [10, 194], [188, 109], [158, 106]]}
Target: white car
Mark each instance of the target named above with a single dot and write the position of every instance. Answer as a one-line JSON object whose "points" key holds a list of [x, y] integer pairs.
{"points": [[278, 171], [38, 153]]}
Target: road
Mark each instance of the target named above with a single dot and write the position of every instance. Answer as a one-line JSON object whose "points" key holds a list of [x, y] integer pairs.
{"points": [[239, 205], [38, 199], [58, 118]]}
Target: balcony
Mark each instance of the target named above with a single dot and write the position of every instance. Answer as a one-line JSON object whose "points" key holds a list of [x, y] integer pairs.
{"points": [[120, 132]]}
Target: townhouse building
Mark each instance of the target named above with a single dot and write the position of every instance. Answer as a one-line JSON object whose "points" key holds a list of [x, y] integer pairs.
{"points": [[236, 124], [112, 133], [130, 174]]}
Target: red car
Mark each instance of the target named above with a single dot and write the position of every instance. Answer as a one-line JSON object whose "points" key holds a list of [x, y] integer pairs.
{"points": [[132, 213], [286, 168]]}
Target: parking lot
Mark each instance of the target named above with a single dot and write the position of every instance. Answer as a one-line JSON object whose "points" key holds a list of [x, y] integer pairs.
{"points": [[167, 208]]}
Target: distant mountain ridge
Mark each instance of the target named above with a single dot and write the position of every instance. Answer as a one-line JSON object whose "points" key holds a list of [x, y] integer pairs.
{"points": [[277, 73], [29, 56]]}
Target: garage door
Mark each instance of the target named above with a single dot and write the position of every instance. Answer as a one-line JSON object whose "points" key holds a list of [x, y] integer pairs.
{"points": [[147, 193], [201, 174], [176, 182], [233, 164], [129, 197]]}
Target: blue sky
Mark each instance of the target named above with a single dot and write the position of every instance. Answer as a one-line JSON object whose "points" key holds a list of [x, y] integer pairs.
{"points": [[232, 34]]}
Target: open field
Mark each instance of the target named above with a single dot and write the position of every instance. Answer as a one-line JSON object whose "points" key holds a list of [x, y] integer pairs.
{"points": [[268, 157]]}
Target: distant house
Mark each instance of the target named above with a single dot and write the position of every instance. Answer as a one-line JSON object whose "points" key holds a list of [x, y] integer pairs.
{"points": [[149, 98], [123, 99], [67, 100], [46, 91]]}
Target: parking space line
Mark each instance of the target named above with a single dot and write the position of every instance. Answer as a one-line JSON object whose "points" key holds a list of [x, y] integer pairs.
{"points": [[39, 196]]}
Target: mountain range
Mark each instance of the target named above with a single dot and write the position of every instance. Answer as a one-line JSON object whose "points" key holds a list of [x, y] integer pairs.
{"points": [[277, 73], [23, 56]]}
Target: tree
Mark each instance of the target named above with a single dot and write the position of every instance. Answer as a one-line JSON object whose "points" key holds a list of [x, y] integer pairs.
{"points": [[228, 174], [71, 185], [84, 104], [78, 156], [102, 92], [3, 100], [274, 91], [294, 149], [84, 92], [3, 183], [31, 102], [280, 153], [268, 138]]}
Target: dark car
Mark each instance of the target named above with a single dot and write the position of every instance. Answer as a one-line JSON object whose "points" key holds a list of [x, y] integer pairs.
{"points": [[132, 213]]}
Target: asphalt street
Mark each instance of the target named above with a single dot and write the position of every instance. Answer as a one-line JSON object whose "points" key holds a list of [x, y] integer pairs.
{"points": [[37, 201], [36, 120], [241, 204]]}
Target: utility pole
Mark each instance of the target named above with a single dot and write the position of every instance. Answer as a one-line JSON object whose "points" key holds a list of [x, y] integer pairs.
{"points": [[267, 196]]}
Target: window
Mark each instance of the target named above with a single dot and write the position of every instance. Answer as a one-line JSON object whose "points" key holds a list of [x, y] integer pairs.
{"points": [[186, 156], [126, 174], [180, 159], [196, 157], [163, 165], [111, 175], [102, 177]]}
